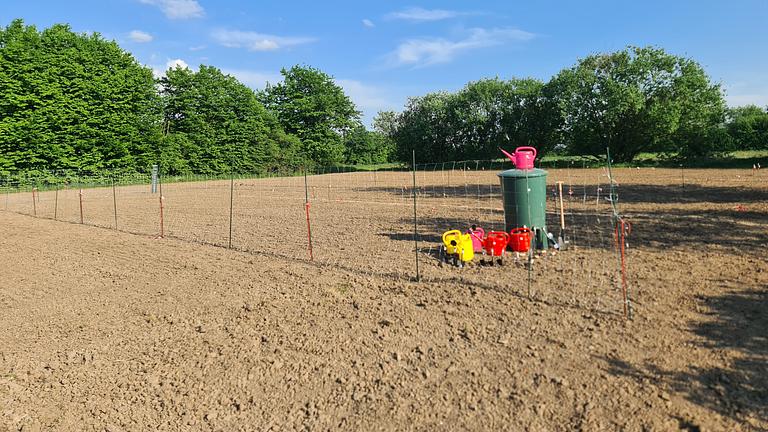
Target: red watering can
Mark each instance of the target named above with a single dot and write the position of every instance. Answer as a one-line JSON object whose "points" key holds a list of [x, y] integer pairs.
{"points": [[522, 158], [520, 239], [495, 245]]}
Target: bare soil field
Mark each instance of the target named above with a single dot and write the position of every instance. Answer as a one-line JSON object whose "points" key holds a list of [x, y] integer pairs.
{"points": [[119, 330]]}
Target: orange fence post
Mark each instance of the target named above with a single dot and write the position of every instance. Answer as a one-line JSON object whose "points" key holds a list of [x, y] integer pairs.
{"points": [[80, 195]]}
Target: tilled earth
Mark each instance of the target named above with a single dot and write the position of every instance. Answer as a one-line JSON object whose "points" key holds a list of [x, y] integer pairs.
{"points": [[108, 330]]}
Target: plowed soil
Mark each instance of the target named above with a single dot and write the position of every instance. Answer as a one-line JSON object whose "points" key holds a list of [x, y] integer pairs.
{"points": [[118, 330]]}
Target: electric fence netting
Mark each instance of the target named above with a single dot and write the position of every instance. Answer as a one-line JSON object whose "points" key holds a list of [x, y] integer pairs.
{"points": [[363, 221]]}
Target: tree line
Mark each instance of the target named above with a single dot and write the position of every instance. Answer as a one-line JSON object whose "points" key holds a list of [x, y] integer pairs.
{"points": [[635, 100], [72, 101]]}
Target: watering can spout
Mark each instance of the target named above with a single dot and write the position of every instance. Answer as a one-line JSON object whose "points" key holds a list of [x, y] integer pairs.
{"points": [[508, 155]]}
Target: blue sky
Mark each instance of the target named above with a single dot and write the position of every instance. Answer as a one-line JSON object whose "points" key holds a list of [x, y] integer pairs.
{"points": [[383, 52]]}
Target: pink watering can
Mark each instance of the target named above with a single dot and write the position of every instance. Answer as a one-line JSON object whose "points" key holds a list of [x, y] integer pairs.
{"points": [[478, 234], [522, 158]]}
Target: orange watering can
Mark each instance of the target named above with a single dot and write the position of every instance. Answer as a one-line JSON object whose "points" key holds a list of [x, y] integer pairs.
{"points": [[522, 158]]}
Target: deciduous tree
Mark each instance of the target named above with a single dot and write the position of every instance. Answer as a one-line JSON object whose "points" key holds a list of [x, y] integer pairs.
{"points": [[310, 105]]}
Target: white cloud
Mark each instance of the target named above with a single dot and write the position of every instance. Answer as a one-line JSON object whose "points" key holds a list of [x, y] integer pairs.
{"points": [[176, 63], [418, 14], [178, 9], [159, 71], [197, 47], [140, 36], [368, 23], [254, 79], [430, 51], [254, 41]]}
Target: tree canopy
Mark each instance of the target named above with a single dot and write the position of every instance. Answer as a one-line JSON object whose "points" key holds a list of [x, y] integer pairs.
{"points": [[635, 100], [214, 124], [475, 121], [310, 105], [73, 101], [748, 127]]}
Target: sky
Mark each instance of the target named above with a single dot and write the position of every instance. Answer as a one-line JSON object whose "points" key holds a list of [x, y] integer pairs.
{"points": [[383, 52]]}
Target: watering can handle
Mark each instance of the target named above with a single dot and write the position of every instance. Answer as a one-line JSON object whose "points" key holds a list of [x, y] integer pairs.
{"points": [[501, 234], [520, 230], [526, 148], [451, 232], [475, 235]]}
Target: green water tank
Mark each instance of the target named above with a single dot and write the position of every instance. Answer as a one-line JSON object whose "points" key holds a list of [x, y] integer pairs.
{"points": [[524, 195]]}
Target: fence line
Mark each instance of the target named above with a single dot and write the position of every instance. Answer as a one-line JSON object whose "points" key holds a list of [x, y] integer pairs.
{"points": [[363, 221]]}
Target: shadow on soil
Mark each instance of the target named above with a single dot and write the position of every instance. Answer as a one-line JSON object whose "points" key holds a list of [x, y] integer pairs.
{"points": [[740, 227], [737, 323], [740, 232], [629, 193], [691, 193]]}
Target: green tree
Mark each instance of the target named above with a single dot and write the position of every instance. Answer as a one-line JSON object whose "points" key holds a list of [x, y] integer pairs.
{"points": [[214, 124], [367, 147], [422, 126], [474, 122], [386, 123], [73, 101], [310, 105], [635, 100], [748, 127], [491, 113]]}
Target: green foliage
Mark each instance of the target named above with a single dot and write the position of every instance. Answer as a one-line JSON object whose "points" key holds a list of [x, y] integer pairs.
{"points": [[635, 100], [215, 124], [310, 105], [365, 147], [748, 127], [385, 123], [474, 122], [73, 101]]}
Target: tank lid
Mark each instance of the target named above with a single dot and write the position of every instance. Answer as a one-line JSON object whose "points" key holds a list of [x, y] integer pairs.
{"points": [[516, 173]]}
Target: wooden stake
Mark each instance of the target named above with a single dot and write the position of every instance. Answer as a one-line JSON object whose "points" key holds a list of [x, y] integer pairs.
{"points": [[114, 200], [80, 195], [562, 213]]}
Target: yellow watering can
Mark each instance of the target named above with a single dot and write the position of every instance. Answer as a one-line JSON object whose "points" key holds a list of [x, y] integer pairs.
{"points": [[458, 247]]}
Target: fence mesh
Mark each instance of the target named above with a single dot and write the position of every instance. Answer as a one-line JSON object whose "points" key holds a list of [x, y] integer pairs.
{"points": [[363, 221]]}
